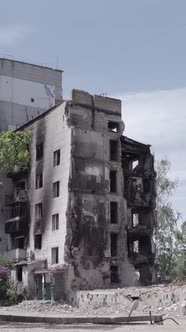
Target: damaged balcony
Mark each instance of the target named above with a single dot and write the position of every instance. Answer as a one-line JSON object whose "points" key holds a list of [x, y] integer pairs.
{"points": [[16, 254], [17, 213], [141, 223], [137, 259], [139, 174], [138, 192], [17, 224], [139, 231], [141, 251]]}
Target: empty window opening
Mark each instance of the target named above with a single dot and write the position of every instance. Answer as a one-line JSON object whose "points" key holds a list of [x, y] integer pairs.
{"points": [[20, 186], [55, 255], [136, 247], [55, 222], [56, 189], [113, 181], [56, 158], [113, 244], [39, 151], [19, 273], [113, 126], [20, 192], [135, 163], [113, 212], [137, 272], [135, 219], [39, 180], [38, 241], [39, 210], [17, 242], [113, 150], [114, 275], [146, 185]]}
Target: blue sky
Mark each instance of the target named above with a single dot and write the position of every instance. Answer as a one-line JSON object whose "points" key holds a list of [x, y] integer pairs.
{"points": [[134, 49]]}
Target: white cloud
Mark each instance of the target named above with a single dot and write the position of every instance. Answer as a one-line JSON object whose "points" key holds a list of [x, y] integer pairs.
{"points": [[159, 118], [12, 34]]}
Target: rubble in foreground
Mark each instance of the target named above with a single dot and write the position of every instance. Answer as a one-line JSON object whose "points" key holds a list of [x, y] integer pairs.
{"points": [[169, 300]]}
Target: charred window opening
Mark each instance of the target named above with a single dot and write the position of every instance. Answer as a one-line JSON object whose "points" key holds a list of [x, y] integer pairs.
{"points": [[113, 181], [39, 180], [39, 151], [146, 185], [135, 163], [38, 211], [113, 244], [113, 212], [145, 244], [19, 273], [56, 158], [136, 247], [55, 255], [56, 189], [114, 275], [55, 222], [113, 126], [135, 219], [38, 241], [18, 242], [113, 150], [20, 186]]}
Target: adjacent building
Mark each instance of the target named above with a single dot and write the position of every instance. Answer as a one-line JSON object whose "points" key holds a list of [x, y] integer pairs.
{"points": [[26, 90], [81, 216]]}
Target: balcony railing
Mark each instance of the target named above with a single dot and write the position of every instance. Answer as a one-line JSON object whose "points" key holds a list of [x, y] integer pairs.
{"points": [[16, 254], [17, 225], [19, 196]]}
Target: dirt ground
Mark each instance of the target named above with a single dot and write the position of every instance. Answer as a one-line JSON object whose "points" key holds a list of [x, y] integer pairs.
{"points": [[167, 326]]}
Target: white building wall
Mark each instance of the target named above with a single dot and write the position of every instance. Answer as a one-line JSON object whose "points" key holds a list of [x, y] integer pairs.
{"points": [[54, 132]]}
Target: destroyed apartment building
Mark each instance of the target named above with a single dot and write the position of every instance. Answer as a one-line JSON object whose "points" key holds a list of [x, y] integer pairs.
{"points": [[81, 216]]}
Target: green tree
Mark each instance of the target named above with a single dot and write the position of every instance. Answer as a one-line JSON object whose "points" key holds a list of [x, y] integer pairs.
{"points": [[167, 229], [14, 153], [179, 268]]}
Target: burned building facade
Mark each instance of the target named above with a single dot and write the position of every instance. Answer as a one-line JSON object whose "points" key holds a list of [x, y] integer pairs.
{"points": [[82, 215]]}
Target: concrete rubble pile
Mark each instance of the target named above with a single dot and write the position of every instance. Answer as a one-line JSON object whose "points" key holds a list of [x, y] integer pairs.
{"points": [[169, 300]]}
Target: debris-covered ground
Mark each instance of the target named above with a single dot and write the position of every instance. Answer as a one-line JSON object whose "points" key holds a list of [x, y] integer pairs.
{"points": [[169, 300]]}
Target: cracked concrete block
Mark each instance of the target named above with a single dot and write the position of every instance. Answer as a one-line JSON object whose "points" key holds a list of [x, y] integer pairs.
{"points": [[81, 97], [108, 104]]}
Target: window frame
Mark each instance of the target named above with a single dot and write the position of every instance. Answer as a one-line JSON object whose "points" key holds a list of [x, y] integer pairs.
{"points": [[56, 157], [56, 249], [38, 243], [38, 211], [56, 191], [39, 181], [39, 154], [55, 222]]}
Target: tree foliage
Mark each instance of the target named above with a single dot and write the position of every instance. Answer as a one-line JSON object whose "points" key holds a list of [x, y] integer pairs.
{"points": [[14, 153], [167, 229], [10, 292], [179, 267]]}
